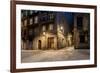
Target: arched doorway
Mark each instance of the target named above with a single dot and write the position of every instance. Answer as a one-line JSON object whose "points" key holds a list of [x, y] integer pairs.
{"points": [[39, 44]]}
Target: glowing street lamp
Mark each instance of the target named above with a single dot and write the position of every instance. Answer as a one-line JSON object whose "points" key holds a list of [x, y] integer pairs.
{"points": [[44, 33], [61, 28]]}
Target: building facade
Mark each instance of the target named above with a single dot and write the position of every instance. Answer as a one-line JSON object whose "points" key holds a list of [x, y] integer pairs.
{"points": [[43, 30], [81, 30]]}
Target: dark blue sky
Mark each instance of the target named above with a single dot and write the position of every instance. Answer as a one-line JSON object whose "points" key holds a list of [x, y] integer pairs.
{"points": [[70, 17]]}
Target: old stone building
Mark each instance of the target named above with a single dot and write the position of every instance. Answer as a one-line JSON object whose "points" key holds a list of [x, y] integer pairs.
{"points": [[81, 30], [43, 30]]}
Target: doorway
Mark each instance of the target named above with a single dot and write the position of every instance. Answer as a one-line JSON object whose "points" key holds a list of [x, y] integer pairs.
{"points": [[39, 44], [50, 42]]}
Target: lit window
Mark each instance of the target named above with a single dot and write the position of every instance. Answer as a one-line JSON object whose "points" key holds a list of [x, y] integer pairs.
{"points": [[51, 26], [25, 23], [43, 28], [36, 19], [31, 21]]}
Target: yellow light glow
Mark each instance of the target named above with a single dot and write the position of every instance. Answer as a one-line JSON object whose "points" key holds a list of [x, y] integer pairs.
{"points": [[44, 33], [61, 27]]}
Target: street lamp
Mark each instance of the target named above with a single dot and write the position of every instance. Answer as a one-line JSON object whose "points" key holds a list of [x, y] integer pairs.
{"points": [[44, 34], [61, 27]]}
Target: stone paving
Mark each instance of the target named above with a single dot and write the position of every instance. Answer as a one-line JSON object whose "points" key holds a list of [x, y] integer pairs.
{"points": [[65, 54]]}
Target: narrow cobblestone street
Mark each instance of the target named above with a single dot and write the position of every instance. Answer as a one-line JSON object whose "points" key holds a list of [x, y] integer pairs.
{"points": [[65, 54]]}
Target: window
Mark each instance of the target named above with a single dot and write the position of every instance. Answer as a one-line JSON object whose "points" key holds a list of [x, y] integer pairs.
{"points": [[22, 15], [51, 26], [82, 38], [31, 12], [79, 22], [30, 35], [31, 21], [21, 23], [25, 22], [43, 28], [51, 16], [35, 29], [30, 32], [36, 19], [35, 11], [26, 13]]}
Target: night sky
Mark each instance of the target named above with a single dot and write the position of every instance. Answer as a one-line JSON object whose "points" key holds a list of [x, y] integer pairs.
{"points": [[69, 15], [70, 19]]}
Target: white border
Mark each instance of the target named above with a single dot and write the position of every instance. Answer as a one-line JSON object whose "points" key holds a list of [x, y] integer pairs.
{"points": [[20, 65]]}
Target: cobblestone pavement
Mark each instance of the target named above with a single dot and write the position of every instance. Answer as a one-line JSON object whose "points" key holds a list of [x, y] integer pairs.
{"points": [[65, 54]]}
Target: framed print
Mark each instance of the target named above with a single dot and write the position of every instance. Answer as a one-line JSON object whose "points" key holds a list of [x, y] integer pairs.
{"points": [[52, 36]]}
